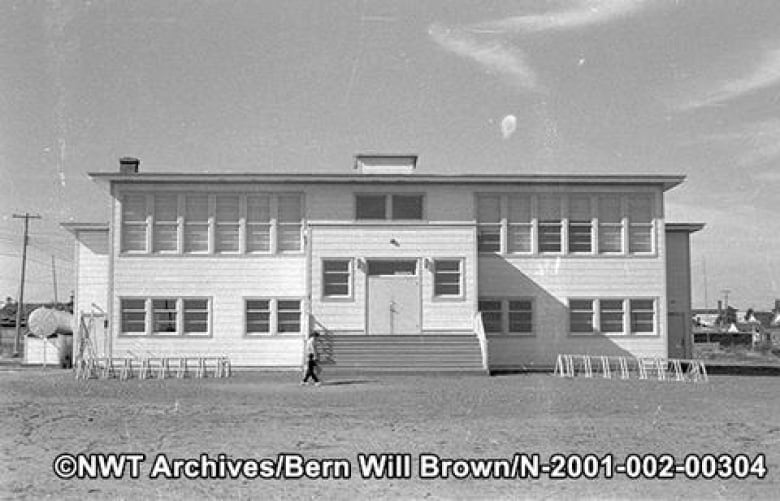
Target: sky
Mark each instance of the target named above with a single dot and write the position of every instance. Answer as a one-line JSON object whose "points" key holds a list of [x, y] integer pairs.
{"points": [[577, 86]]}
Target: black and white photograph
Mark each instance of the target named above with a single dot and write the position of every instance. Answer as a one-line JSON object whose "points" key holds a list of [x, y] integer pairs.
{"points": [[363, 249]]}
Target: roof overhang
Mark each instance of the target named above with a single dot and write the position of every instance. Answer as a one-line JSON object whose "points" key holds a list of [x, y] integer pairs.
{"points": [[667, 182], [684, 227], [74, 228]]}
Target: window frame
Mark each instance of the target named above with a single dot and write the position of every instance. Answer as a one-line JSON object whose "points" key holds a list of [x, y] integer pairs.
{"points": [[145, 224], [505, 313], [273, 317], [627, 321], [388, 206], [461, 279], [183, 223], [149, 320], [350, 279]]}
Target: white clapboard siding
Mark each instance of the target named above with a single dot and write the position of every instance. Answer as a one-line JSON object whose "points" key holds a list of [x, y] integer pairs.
{"points": [[419, 242], [550, 282], [227, 281], [91, 270]]}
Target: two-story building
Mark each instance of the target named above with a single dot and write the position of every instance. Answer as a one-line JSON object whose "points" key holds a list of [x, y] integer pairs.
{"points": [[397, 269]]}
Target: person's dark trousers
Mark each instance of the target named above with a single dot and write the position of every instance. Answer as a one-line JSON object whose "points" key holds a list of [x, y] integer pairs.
{"points": [[311, 367]]}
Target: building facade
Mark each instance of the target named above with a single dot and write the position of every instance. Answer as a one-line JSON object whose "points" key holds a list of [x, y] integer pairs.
{"points": [[514, 268]]}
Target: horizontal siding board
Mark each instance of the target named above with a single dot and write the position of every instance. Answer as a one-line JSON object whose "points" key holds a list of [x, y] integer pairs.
{"points": [[374, 242]]}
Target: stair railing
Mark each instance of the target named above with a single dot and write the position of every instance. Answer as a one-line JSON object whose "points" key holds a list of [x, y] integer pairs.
{"points": [[479, 330]]}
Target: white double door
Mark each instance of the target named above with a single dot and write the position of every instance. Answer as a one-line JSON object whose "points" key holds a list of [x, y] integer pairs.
{"points": [[393, 299]]}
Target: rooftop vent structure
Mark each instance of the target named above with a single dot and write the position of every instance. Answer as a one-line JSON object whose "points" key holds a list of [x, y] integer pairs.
{"points": [[128, 165], [385, 164]]}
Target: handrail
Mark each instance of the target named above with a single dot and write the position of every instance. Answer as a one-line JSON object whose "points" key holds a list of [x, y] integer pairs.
{"points": [[479, 330]]}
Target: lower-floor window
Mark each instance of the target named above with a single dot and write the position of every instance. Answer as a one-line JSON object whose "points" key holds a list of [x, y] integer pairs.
{"points": [[612, 316], [272, 316], [169, 315], [507, 315]]}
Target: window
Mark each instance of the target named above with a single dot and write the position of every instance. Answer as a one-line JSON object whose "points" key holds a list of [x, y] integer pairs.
{"points": [[196, 223], [640, 224], [133, 315], [164, 315], [520, 316], [642, 316], [258, 316], [407, 207], [489, 223], [165, 238], [492, 316], [288, 316], [272, 316], [227, 223], [196, 315], [507, 315], [611, 315], [258, 223], [610, 224], [550, 223], [446, 280], [289, 216], [336, 278], [580, 225], [519, 225], [397, 207], [581, 315], [134, 223], [370, 207]]}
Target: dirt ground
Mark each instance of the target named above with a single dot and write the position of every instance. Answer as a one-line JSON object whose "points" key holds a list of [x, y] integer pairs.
{"points": [[256, 415]]}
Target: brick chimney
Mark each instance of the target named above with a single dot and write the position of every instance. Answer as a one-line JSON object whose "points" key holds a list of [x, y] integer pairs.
{"points": [[128, 165]]}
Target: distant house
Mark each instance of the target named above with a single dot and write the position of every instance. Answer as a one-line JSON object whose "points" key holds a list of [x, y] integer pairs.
{"points": [[394, 267]]}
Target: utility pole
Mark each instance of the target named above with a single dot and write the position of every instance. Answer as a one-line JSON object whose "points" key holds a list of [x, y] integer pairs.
{"points": [[20, 305], [54, 279]]}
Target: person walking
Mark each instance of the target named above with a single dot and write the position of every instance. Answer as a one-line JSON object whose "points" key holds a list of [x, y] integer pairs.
{"points": [[310, 359]]}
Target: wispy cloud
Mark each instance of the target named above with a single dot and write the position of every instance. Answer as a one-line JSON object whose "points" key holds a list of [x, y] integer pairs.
{"points": [[579, 15], [494, 55], [488, 43], [765, 74], [753, 145]]}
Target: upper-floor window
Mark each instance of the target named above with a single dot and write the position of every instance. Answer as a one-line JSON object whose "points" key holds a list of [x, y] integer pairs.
{"points": [[610, 224], [550, 223], [196, 223], [397, 207], [134, 223], [580, 224], [575, 223], [203, 223], [489, 223], [258, 223], [289, 218], [520, 224], [640, 224], [165, 237]]}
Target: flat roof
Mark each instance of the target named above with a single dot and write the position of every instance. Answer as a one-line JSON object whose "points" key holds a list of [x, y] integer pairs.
{"points": [[686, 227], [666, 181], [76, 227]]}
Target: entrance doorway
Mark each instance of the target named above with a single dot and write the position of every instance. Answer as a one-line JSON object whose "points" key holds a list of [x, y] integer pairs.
{"points": [[393, 299]]}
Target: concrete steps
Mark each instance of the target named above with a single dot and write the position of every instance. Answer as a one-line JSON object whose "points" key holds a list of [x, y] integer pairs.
{"points": [[427, 353]]}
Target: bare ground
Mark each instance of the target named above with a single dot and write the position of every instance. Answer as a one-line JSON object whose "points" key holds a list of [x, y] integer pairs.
{"points": [[259, 415]]}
